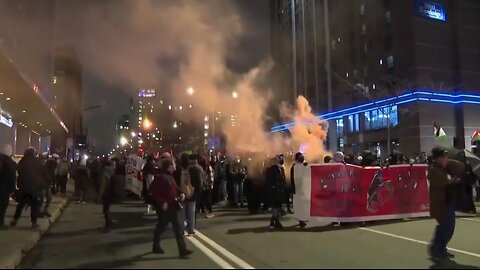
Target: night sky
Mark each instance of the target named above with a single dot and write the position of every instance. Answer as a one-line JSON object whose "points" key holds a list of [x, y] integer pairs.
{"points": [[77, 22]]}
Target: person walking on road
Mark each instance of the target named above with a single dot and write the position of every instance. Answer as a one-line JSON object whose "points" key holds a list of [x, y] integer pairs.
{"points": [[51, 166], [8, 176], [63, 170], [207, 192], [443, 181], [32, 180], [196, 173], [114, 191], [276, 183], [81, 176], [167, 198]]}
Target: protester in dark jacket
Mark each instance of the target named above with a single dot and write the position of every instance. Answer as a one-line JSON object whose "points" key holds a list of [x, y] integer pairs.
{"points": [[8, 175], [114, 191], [196, 179], [443, 177], [51, 166], [167, 197], [32, 180], [276, 183], [81, 177]]}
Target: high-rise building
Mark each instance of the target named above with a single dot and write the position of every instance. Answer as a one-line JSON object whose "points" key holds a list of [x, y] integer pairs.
{"points": [[67, 97], [360, 51]]}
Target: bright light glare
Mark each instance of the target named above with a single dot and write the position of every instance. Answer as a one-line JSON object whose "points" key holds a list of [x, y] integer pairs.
{"points": [[123, 141], [175, 124], [235, 94], [133, 134], [147, 124], [190, 90]]}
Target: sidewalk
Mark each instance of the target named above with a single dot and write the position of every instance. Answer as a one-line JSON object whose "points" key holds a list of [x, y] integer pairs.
{"points": [[16, 242]]}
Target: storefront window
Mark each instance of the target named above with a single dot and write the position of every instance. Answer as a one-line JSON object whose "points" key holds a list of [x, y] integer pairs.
{"points": [[339, 128]]}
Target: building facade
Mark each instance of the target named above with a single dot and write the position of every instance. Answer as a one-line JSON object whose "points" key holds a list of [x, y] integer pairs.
{"points": [[28, 117], [369, 50]]}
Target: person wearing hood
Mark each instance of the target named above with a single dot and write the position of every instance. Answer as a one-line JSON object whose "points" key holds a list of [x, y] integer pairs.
{"points": [[32, 180], [8, 176], [276, 183], [299, 161]]}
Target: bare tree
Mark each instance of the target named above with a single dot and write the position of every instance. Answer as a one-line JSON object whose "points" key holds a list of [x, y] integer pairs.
{"points": [[387, 87]]}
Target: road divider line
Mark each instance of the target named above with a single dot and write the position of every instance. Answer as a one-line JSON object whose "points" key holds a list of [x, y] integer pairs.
{"points": [[418, 241], [241, 263], [214, 257], [470, 219]]}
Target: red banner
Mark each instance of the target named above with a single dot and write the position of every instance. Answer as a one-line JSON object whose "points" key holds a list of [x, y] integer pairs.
{"points": [[348, 193]]}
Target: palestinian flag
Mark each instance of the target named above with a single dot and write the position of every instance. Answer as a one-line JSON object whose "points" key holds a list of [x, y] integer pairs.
{"points": [[441, 138], [476, 136]]}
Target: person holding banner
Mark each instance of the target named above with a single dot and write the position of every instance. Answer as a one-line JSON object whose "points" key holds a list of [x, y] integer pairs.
{"points": [[443, 177], [299, 161], [276, 183]]}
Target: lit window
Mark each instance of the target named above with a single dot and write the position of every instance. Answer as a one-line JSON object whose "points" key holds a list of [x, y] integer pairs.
{"points": [[381, 62], [390, 61], [339, 128], [377, 119], [346, 75], [374, 87], [362, 9], [353, 123]]}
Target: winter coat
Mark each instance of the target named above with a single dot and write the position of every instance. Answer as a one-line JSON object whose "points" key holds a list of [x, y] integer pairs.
{"points": [[196, 179], [276, 182], [8, 174], [442, 190], [164, 190], [115, 189], [32, 175]]}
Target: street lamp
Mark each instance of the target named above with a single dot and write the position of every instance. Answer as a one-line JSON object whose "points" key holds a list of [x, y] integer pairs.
{"points": [[123, 141], [190, 90], [175, 124], [133, 134], [235, 94], [147, 124]]}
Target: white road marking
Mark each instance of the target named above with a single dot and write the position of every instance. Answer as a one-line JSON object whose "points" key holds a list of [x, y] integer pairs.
{"points": [[418, 241], [214, 257], [224, 252], [471, 219]]}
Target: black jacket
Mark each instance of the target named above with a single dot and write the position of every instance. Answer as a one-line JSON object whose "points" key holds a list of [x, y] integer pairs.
{"points": [[8, 174], [196, 178], [32, 175], [276, 178]]}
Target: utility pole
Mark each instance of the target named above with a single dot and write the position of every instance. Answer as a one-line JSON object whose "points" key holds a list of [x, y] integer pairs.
{"points": [[332, 130]]}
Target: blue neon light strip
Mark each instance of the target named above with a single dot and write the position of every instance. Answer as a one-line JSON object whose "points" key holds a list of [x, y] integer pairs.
{"points": [[401, 99]]}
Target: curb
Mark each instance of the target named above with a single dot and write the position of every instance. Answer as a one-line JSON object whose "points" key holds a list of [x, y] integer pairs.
{"points": [[14, 255]]}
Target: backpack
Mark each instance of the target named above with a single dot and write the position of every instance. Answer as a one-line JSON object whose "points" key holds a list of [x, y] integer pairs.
{"points": [[185, 184]]}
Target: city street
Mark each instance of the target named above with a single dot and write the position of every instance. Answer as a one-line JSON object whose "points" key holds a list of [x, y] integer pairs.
{"points": [[234, 239]]}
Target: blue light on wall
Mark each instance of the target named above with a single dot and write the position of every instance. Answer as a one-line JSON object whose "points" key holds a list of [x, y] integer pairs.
{"points": [[431, 10], [429, 96]]}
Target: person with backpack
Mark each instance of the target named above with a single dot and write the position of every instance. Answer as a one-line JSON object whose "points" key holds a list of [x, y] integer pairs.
{"points": [[195, 184], [208, 183], [8, 176]]}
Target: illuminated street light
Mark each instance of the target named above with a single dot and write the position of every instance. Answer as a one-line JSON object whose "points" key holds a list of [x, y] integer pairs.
{"points": [[123, 141], [235, 94], [147, 124], [140, 141], [190, 90], [133, 134], [175, 124]]}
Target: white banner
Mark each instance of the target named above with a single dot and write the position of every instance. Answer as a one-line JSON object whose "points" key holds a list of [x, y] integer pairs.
{"points": [[134, 167]]}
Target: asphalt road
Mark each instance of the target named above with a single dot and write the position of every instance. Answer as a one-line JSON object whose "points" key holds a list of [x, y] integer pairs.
{"points": [[234, 239]]}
